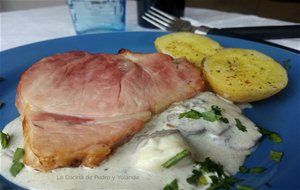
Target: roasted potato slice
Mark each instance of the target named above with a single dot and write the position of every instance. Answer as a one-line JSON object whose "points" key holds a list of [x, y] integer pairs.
{"points": [[193, 47], [243, 75]]}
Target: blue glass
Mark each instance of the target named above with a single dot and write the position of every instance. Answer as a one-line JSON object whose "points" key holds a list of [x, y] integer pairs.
{"points": [[94, 16]]}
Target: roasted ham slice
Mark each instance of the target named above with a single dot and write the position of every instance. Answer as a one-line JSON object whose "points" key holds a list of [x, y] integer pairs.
{"points": [[76, 107]]}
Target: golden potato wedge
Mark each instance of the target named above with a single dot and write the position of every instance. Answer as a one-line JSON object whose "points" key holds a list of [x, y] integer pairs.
{"points": [[193, 47], [243, 75]]}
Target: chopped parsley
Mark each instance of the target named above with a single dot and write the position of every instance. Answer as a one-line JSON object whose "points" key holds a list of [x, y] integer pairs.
{"points": [[17, 166], [202, 180], [216, 109], [225, 183], [276, 156], [257, 170], [244, 187], [210, 166], [219, 181], [224, 120], [243, 169], [212, 115], [171, 186], [200, 168], [4, 139], [272, 136], [194, 179], [254, 170], [18, 154], [239, 125], [214, 179], [172, 161], [264, 131], [192, 114]]}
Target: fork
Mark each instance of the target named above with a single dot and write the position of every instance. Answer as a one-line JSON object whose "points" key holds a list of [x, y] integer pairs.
{"points": [[168, 22]]}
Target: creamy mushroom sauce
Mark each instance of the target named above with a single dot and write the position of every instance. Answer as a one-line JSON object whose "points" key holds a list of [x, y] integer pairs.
{"points": [[119, 170]]}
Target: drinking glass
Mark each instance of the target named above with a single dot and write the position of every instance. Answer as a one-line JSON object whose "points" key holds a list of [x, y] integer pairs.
{"points": [[93, 16]]}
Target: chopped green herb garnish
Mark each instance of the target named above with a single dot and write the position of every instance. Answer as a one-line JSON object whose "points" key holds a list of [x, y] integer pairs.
{"points": [[210, 116], [225, 183], [18, 154], [243, 169], [272, 136], [276, 156], [239, 125], [255, 170], [210, 166], [205, 166], [216, 109], [215, 167], [222, 180], [275, 138], [224, 120], [16, 168], [175, 159], [214, 179], [171, 186], [202, 180], [231, 181], [194, 179], [4, 139], [192, 114], [264, 131], [244, 187], [213, 115]]}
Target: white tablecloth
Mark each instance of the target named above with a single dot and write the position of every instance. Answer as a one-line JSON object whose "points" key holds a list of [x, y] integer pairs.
{"points": [[28, 26]]}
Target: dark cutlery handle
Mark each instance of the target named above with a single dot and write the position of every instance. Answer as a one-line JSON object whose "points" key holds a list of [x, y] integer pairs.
{"points": [[222, 32], [268, 32]]}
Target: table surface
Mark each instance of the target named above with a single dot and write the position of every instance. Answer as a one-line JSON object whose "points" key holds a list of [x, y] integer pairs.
{"points": [[28, 26]]}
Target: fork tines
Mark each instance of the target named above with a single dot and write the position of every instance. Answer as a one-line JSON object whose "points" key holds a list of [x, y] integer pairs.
{"points": [[159, 19]]}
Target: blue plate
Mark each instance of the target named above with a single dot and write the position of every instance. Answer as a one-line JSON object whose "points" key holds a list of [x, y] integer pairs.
{"points": [[280, 113]]}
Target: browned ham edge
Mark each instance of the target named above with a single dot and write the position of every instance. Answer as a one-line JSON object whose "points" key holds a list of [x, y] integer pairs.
{"points": [[76, 107]]}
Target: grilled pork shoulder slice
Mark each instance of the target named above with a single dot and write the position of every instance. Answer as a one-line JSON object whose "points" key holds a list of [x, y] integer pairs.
{"points": [[76, 106]]}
